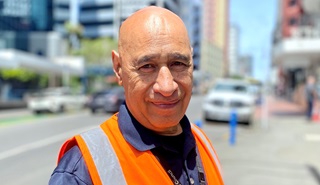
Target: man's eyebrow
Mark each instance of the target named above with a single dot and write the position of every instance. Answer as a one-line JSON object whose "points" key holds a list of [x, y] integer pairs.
{"points": [[170, 56], [178, 56], [147, 58]]}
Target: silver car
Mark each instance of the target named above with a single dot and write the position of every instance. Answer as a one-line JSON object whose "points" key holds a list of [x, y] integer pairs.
{"points": [[229, 96]]}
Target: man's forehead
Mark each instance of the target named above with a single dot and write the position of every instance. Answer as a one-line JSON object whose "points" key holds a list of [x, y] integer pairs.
{"points": [[152, 18]]}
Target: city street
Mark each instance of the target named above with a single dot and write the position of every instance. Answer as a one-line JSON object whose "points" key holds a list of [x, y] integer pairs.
{"points": [[281, 148]]}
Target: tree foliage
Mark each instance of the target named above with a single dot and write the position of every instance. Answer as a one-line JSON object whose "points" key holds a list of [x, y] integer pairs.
{"points": [[96, 51], [24, 76], [17, 74], [73, 29]]}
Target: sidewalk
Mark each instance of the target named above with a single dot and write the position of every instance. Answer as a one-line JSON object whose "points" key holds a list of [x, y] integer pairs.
{"points": [[286, 152], [279, 107]]}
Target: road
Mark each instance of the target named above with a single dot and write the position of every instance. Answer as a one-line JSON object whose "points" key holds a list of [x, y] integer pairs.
{"points": [[285, 153], [29, 148]]}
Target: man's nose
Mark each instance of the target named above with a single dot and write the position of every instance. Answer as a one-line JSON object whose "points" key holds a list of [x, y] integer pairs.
{"points": [[165, 83]]}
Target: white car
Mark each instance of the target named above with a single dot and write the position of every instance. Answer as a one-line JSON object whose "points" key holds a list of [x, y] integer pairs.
{"points": [[229, 96], [55, 100]]}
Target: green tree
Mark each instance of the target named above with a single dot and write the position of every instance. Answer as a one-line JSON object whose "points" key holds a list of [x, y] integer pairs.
{"points": [[74, 33], [17, 74], [96, 51], [25, 76]]}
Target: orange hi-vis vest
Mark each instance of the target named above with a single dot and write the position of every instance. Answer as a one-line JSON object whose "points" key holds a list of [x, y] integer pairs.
{"points": [[112, 160]]}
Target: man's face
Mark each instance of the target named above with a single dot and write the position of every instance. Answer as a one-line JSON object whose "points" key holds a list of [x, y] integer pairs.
{"points": [[156, 73]]}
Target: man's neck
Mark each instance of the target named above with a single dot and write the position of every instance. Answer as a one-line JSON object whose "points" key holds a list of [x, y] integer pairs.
{"points": [[173, 131]]}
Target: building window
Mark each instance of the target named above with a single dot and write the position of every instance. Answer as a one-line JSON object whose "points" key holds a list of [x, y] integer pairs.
{"points": [[292, 2], [98, 23], [293, 21], [97, 7]]}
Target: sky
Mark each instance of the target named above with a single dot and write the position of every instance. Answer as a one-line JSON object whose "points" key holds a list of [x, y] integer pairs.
{"points": [[256, 21]]}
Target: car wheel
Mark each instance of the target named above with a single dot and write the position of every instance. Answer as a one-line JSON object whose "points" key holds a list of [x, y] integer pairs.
{"points": [[61, 109], [247, 123], [206, 117], [36, 112]]}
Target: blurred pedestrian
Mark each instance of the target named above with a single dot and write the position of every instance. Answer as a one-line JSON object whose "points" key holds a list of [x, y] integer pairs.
{"points": [[311, 96], [150, 140]]}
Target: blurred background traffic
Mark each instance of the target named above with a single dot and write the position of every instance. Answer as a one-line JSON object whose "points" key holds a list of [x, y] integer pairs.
{"points": [[251, 59]]}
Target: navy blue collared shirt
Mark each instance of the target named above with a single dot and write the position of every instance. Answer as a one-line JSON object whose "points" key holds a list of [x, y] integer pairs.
{"points": [[177, 153]]}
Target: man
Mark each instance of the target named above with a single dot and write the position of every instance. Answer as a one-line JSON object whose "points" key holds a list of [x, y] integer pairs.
{"points": [[311, 95], [150, 140]]}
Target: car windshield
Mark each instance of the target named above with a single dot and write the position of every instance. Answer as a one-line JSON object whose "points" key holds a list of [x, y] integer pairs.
{"points": [[114, 90], [46, 93], [100, 93], [231, 88], [50, 92]]}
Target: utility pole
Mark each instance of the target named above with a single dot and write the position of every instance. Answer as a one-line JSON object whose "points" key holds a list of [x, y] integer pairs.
{"points": [[74, 21], [117, 4]]}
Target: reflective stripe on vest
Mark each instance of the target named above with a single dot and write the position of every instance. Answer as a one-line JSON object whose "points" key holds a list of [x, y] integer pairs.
{"points": [[104, 157], [207, 143]]}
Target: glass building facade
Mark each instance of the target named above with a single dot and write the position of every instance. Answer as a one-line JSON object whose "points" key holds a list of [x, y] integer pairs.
{"points": [[20, 18], [26, 15]]}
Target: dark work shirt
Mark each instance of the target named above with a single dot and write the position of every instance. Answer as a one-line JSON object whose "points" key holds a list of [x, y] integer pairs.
{"points": [[177, 153]]}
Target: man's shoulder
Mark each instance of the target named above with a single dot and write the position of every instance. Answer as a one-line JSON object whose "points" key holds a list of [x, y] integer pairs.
{"points": [[70, 159], [71, 168]]}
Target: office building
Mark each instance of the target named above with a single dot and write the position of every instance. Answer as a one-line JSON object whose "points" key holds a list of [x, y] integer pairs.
{"points": [[233, 51], [215, 25]]}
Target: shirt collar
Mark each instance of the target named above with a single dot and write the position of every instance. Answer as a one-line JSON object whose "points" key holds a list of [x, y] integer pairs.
{"points": [[144, 139]]}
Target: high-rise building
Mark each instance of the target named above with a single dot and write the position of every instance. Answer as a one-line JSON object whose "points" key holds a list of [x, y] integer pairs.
{"points": [[214, 38], [25, 15], [26, 25], [233, 51]]}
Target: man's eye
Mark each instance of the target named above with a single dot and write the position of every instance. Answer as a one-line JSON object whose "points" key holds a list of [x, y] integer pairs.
{"points": [[178, 64], [147, 66]]}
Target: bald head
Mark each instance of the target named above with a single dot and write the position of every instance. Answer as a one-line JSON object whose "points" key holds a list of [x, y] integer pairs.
{"points": [[151, 21]]}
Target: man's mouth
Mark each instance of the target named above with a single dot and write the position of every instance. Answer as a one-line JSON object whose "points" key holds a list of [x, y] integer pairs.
{"points": [[166, 104]]}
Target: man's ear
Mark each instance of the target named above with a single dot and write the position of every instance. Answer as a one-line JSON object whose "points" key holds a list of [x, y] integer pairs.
{"points": [[117, 66]]}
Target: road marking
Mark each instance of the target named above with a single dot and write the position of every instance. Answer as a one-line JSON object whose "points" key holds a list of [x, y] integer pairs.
{"points": [[312, 137], [18, 119], [41, 143]]}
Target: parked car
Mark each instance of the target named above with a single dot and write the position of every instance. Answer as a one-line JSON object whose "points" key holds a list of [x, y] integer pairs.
{"points": [[55, 100], [108, 100], [226, 96]]}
